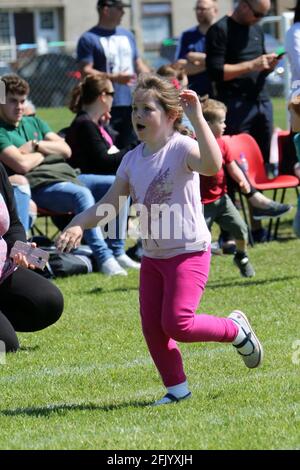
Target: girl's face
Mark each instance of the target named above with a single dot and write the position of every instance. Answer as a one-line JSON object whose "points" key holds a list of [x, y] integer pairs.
{"points": [[149, 119], [218, 126]]}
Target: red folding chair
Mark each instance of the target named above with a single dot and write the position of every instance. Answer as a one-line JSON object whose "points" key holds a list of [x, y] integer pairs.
{"points": [[244, 143]]}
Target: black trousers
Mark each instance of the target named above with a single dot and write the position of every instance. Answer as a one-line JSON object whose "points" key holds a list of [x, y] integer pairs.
{"points": [[28, 302], [254, 118]]}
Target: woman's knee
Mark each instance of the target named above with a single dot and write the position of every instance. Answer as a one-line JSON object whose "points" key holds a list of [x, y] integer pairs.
{"points": [[48, 308], [54, 305], [83, 199]]}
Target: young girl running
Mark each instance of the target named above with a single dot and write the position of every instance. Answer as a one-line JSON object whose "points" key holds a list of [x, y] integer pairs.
{"points": [[162, 176]]}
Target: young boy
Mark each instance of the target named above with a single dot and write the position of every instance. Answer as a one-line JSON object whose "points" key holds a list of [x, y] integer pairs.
{"points": [[218, 206]]}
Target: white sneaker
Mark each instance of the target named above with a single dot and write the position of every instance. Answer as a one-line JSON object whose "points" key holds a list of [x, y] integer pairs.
{"points": [[127, 262], [255, 356], [111, 267]]}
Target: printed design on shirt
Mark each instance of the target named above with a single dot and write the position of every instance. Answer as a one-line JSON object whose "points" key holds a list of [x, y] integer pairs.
{"points": [[118, 54], [159, 192]]}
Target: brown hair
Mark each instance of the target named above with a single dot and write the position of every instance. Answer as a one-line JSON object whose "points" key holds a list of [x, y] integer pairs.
{"points": [[167, 95], [15, 85], [211, 109], [87, 91], [170, 72]]}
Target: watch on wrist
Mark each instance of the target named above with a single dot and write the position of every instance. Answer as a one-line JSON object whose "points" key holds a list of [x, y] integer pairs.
{"points": [[35, 145]]}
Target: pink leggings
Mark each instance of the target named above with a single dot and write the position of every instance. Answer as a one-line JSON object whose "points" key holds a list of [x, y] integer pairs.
{"points": [[170, 291]]}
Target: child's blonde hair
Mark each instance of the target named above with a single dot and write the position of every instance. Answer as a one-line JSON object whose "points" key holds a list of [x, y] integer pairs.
{"points": [[211, 109], [167, 95]]}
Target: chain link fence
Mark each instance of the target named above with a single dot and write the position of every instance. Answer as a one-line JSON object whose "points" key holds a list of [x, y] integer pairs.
{"points": [[52, 72]]}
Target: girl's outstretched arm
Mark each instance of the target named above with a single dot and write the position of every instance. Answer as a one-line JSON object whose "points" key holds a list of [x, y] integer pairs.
{"points": [[208, 160], [100, 214]]}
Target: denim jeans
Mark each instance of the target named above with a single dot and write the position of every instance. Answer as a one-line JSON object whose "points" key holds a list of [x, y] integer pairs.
{"points": [[70, 197], [22, 199]]}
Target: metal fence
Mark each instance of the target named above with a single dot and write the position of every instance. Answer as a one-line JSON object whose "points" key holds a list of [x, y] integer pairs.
{"points": [[52, 71]]}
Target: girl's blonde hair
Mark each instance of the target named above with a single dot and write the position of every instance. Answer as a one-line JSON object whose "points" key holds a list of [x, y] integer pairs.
{"points": [[211, 109], [166, 94], [87, 91]]}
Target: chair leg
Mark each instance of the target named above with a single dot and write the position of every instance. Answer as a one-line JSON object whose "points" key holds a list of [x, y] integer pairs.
{"points": [[278, 219], [271, 220], [251, 241]]}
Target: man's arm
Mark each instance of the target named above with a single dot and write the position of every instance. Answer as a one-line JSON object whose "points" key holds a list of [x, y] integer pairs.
{"points": [[53, 143], [219, 70], [123, 78], [18, 161], [263, 63], [141, 67]]}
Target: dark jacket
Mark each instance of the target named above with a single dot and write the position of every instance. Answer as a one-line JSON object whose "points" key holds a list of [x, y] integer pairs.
{"points": [[90, 149], [16, 230]]}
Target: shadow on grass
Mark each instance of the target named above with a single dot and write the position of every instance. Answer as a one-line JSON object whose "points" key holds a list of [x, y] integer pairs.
{"points": [[29, 348], [104, 290], [48, 410], [252, 282]]}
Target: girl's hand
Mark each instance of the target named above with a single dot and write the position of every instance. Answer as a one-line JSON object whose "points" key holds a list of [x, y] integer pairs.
{"points": [[21, 259], [191, 105], [69, 238]]}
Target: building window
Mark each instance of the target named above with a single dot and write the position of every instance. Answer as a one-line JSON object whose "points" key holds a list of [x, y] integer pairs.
{"points": [[47, 20], [4, 28], [156, 24]]}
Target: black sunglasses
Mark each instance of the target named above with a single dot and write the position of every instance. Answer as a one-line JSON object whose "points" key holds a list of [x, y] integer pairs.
{"points": [[111, 93], [256, 14]]}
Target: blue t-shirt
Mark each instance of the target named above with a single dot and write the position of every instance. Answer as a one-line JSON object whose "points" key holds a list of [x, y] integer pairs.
{"points": [[192, 40], [111, 51]]}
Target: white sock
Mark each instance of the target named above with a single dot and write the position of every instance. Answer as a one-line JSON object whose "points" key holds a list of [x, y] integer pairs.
{"points": [[179, 390], [247, 348]]}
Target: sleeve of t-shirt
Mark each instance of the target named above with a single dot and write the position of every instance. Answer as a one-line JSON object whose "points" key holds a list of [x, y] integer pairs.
{"points": [[226, 153], [44, 128], [133, 45], [85, 49], [181, 50], [188, 145], [215, 52], [4, 140], [123, 168]]}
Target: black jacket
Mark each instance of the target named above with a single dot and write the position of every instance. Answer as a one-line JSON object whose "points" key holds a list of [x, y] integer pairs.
{"points": [[89, 148], [16, 230]]}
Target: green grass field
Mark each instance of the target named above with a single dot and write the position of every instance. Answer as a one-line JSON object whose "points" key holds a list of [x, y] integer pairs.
{"points": [[87, 381]]}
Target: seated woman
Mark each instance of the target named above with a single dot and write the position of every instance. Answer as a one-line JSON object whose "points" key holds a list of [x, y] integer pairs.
{"points": [[93, 151], [28, 301]]}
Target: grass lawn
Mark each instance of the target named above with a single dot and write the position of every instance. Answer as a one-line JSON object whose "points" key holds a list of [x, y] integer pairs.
{"points": [[87, 381]]}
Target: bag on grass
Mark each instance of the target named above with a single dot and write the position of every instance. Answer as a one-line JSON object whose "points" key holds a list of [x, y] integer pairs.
{"points": [[80, 261]]}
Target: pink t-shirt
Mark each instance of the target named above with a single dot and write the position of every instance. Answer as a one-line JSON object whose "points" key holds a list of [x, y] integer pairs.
{"points": [[167, 195], [6, 264]]}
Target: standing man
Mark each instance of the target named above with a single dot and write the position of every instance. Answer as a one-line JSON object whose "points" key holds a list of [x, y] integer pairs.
{"points": [[191, 48], [111, 50], [238, 65]]}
